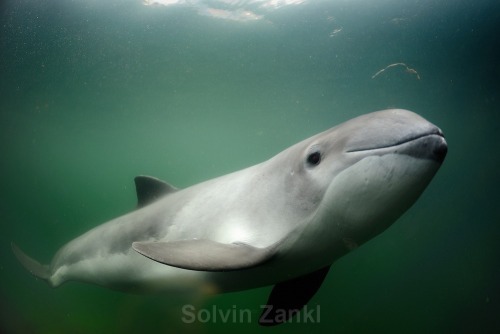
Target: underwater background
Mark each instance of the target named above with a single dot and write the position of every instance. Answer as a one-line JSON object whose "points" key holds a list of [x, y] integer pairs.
{"points": [[93, 93]]}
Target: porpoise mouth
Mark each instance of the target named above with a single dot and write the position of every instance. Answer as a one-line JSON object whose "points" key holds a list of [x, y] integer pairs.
{"points": [[430, 145]]}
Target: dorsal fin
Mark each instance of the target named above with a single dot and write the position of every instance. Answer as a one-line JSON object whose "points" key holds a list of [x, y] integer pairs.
{"points": [[149, 189]]}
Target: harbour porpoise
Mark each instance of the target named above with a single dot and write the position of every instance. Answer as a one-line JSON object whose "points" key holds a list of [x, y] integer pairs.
{"points": [[282, 222]]}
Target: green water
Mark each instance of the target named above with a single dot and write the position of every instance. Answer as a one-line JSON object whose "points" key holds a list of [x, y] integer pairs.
{"points": [[93, 93]]}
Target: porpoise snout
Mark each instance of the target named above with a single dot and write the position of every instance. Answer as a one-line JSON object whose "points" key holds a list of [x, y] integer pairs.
{"points": [[396, 131], [440, 148]]}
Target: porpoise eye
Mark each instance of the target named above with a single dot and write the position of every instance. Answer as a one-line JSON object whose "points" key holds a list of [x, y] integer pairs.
{"points": [[314, 158]]}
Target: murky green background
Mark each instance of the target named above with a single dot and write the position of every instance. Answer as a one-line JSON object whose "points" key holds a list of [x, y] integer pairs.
{"points": [[93, 93]]}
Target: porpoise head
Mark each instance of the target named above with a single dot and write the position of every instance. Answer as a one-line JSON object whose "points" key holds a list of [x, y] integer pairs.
{"points": [[357, 178]]}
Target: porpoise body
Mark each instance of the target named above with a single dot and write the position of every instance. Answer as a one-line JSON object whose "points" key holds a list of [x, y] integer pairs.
{"points": [[282, 222]]}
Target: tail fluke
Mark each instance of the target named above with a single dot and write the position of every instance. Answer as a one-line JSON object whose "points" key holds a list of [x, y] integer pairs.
{"points": [[39, 270]]}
